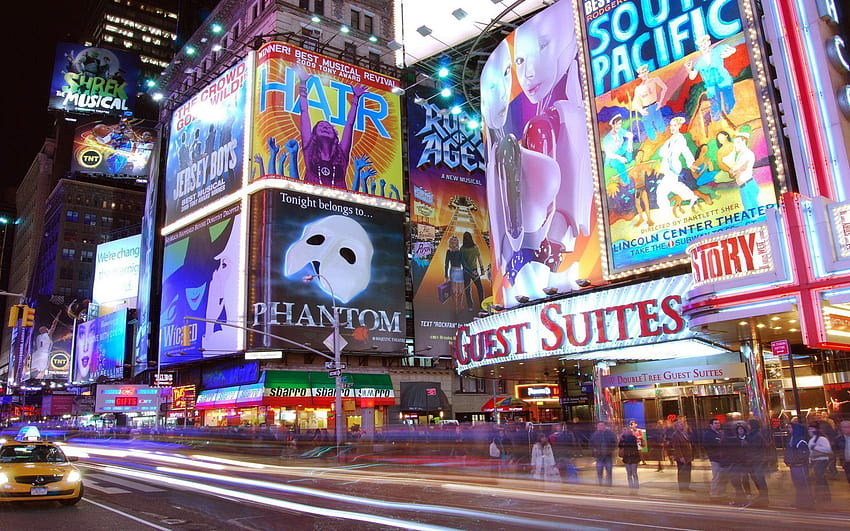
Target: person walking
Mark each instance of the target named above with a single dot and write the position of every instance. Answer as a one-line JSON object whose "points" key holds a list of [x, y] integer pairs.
{"points": [[655, 441], [566, 448], [842, 447], [543, 459], [629, 451], [499, 451], [682, 450], [602, 444], [797, 459], [712, 443], [757, 455], [820, 451], [736, 448]]}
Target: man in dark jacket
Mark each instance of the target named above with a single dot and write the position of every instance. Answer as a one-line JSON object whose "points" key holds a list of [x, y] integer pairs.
{"points": [[566, 449], [841, 447], [602, 443], [712, 443]]}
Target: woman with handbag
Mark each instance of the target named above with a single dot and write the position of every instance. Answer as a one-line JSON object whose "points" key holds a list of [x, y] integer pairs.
{"points": [[630, 454], [820, 452], [543, 460]]}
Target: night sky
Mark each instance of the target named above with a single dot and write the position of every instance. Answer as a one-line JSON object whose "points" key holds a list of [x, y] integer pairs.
{"points": [[29, 45]]}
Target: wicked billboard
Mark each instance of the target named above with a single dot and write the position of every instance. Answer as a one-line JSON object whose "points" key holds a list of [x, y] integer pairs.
{"points": [[321, 121], [309, 254], [685, 140], [450, 233], [540, 184], [199, 271]]}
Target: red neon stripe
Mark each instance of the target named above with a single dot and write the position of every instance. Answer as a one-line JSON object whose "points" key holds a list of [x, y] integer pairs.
{"points": [[805, 95]]}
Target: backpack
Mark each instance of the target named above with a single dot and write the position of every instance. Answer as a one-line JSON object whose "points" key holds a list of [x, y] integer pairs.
{"points": [[797, 455], [494, 449]]}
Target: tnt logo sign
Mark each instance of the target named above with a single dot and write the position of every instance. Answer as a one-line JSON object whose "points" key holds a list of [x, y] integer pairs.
{"points": [[59, 361], [91, 158]]}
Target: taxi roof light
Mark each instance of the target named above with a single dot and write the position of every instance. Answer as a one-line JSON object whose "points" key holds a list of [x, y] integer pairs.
{"points": [[29, 434]]}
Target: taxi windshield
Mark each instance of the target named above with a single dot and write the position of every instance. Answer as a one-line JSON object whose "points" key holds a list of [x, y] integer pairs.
{"points": [[29, 453]]}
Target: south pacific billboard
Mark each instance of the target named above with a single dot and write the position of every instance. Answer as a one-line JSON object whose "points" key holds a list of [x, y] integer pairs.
{"points": [[449, 230], [683, 146], [200, 274], [540, 183], [321, 121], [94, 80], [101, 347], [206, 149], [114, 146], [352, 256]]}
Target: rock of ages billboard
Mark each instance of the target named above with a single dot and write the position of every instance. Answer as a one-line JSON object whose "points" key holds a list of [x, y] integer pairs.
{"points": [[114, 146], [449, 229], [680, 126], [540, 186], [200, 274], [94, 80], [206, 147], [321, 121], [357, 255]]}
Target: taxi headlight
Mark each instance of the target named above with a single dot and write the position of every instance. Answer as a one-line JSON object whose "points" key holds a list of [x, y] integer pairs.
{"points": [[3, 478], [74, 476]]}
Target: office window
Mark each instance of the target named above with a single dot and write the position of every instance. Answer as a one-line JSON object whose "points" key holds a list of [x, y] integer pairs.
{"points": [[304, 4], [72, 215], [355, 19], [310, 38], [106, 220], [350, 52], [374, 60], [319, 7], [68, 254], [87, 256], [368, 23], [254, 12], [66, 273], [90, 219]]}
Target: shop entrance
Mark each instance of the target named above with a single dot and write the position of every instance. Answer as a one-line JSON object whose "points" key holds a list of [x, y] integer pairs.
{"points": [[696, 409]]}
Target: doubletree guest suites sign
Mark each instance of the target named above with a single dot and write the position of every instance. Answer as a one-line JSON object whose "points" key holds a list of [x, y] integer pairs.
{"points": [[619, 318]]}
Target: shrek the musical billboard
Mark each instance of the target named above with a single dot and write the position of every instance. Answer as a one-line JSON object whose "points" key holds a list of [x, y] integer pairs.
{"points": [[684, 145]]}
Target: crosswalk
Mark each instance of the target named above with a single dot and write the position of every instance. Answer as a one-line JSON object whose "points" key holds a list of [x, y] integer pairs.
{"points": [[108, 484]]}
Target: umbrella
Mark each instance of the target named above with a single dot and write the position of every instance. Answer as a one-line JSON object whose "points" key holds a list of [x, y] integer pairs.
{"points": [[504, 404]]}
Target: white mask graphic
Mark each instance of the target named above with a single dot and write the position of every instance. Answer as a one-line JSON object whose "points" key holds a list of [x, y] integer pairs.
{"points": [[339, 250]]}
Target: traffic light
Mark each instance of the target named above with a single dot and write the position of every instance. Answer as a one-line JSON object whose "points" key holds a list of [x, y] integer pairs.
{"points": [[14, 311], [185, 336], [28, 319]]}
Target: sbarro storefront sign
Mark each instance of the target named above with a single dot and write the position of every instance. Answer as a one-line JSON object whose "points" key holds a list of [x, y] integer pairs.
{"points": [[620, 318]]}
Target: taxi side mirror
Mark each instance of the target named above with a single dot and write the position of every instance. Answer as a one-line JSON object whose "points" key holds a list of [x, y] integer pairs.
{"points": [[73, 458]]}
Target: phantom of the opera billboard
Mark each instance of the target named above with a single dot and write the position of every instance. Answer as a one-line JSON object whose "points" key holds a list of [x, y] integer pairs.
{"points": [[200, 279], [449, 230], [101, 347], [206, 149], [321, 121], [540, 186], [309, 253], [684, 146], [113, 146], [94, 80]]}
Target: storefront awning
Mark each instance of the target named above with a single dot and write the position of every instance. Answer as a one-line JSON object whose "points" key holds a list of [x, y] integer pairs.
{"points": [[422, 396], [504, 404]]}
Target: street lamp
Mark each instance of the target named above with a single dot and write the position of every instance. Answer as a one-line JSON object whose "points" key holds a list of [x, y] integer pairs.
{"points": [[337, 363]]}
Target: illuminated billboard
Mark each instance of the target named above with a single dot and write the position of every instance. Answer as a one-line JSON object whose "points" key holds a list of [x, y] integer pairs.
{"points": [[685, 147], [116, 270], [200, 274], [358, 254], [206, 149], [114, 146], [450, 231], [100, 348], [126, 399], [540, 187], [49, 353], [148, 237], [94, 80], [320, 121]]}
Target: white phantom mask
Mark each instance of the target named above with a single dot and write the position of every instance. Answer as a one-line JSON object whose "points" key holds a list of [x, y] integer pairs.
{"points": [[339, 250]]}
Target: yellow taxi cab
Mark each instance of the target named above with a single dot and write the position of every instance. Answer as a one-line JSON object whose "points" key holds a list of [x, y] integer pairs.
{"points": [[32, 469]]}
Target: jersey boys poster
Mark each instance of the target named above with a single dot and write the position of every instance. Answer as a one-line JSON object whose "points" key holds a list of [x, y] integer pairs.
{"points": [[321, 121], [94, 80], [450, 233], [206, 150], [684, 148], [308, 253], [540, 184], [200, 279], [114, 146]]}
